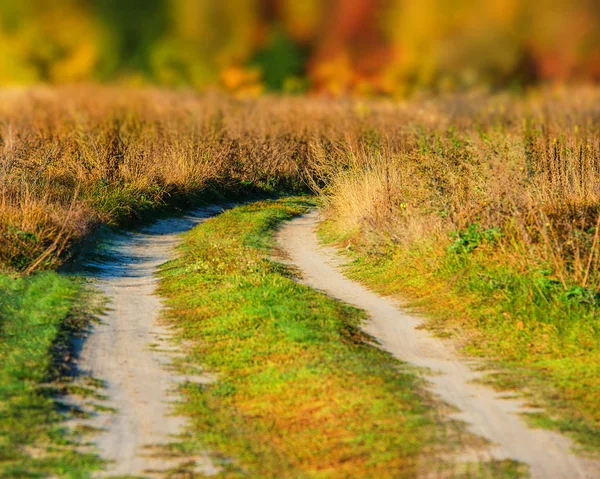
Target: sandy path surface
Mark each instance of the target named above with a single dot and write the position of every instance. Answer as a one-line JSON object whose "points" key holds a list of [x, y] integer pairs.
{"points": [[487, 413], [130, 352]]}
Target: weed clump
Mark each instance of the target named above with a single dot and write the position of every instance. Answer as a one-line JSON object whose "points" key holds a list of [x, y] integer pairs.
{"points": [[465, 241]]}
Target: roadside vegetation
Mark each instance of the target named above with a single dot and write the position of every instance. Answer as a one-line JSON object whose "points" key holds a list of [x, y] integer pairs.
{"points": [[492, 225], [545, 337], [37, 316]]}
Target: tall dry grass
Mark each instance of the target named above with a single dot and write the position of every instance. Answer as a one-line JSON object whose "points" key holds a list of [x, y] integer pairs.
{"points": [[74, 157], [528, 166]]}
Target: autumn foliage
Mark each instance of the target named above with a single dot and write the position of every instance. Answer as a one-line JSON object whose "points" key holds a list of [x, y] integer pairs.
{"points": [[339, 47]]}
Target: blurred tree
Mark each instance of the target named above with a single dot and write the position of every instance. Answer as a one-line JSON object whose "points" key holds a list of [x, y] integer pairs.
{"points": [[203, 38], [353, 40], [50, 41], [303, 20], [338, 46], [447, 45], [134, 26], [280, 60], [564, 38]]}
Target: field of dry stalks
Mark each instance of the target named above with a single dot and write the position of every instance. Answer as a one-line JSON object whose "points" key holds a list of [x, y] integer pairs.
{"points": [[523, 169]]}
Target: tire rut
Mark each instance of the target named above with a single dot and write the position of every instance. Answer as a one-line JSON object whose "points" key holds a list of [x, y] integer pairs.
{"points": [[130, 353]]}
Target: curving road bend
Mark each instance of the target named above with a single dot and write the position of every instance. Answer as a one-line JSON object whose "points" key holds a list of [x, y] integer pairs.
{"points": [[487, 414]]}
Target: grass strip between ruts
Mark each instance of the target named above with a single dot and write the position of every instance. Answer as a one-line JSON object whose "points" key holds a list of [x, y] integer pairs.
{"points": [[299, 392]]}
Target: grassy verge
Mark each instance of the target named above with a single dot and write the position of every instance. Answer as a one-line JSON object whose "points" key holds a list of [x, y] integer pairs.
{"points": [[544, 337], [36, 316], [300, 392]]}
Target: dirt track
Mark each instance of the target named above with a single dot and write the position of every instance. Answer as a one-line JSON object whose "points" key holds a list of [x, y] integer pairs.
{"points": [[485, 411], [129, 352]]}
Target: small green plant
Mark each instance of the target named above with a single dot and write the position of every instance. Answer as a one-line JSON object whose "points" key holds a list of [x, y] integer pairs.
{"points": [[581, 295], [465, 241], [37, 315]]}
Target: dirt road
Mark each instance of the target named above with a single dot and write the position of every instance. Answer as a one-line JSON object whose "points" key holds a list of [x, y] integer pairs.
{"points": [[129, 352], [485, 411]]}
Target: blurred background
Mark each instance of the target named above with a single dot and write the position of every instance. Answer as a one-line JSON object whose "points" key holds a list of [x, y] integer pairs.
{"points": [[369, 47]]}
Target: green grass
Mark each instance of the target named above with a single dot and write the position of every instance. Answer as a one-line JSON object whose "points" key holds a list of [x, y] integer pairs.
{"points": [[546, 339], [299, 392], [37, 316]]}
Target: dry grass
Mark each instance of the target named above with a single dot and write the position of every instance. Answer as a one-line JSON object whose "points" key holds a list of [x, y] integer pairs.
{"points": [[75, 156], [529, 167]]}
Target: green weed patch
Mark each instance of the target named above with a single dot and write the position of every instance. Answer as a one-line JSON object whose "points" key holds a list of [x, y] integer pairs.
{"points": [[36, 316]]}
